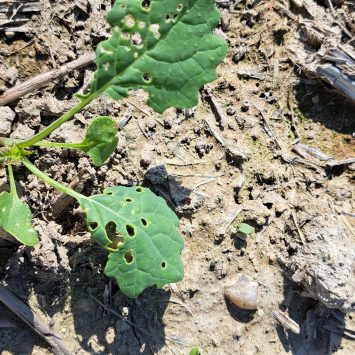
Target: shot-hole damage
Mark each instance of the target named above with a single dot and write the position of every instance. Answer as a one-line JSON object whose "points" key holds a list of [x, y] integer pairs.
{"points": [[163, 264], [146, 4], [114, 235], [144, 222], [137, 39], [130, 230], [147, 78], [128, 256], [154, 28], [129, 21], [93, 226], [125, 35], [139, 189], [129, 200]]}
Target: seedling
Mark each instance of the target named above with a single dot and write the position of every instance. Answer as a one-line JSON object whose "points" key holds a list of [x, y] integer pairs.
{"points": [[245, 228], [195, 351], [168, 49]]}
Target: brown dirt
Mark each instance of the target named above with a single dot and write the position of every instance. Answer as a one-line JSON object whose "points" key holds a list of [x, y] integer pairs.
{"points": [[285, 199]]}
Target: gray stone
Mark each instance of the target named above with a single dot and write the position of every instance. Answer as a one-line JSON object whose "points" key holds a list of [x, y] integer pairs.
{"points": [[7, 117]]}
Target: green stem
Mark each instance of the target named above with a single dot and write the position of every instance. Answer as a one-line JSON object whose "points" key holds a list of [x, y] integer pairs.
{"points": [[60, 145], [66, 117], [13, 190], [9, 141], [57, 185]]}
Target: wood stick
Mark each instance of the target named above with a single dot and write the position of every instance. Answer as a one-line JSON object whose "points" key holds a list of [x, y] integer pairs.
{"points": [[44, 79], [33, 321]]}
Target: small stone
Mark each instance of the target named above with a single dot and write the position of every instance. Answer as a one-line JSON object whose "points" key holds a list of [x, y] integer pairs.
{"points": [[9, 34], [150, 125], [230, 111], [22, 132], [7, 117], [245, 107], [212, 265], [244, 293]]}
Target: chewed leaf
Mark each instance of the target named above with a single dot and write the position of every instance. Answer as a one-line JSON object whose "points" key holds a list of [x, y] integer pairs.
{"points": [[15, 218], [140, 230], [101, 140], [165, 47]]}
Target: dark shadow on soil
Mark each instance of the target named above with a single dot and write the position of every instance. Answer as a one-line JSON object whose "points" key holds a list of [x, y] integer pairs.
{"points": [[322, 104], [77, 294], [103, 330], [21, 278], [177, 196], [239, 314], [314, 320]]}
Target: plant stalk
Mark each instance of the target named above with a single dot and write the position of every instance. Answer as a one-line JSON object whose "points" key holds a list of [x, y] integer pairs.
{"points": [[57, 185], [66, 117], [9, 141], [13, 190]]}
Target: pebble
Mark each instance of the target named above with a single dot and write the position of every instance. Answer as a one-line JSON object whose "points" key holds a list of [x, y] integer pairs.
{"points": [[7, 117], [244, 293]]}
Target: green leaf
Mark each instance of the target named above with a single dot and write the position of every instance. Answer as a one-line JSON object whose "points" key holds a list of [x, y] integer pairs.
{"points": [[195, 351], [165, 47], [140, 231], [15, 218], [245, 228], [101, 140]]}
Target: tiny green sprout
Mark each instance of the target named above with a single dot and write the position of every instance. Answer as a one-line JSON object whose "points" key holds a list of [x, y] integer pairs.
{"points": [[168, 49], [195, 351], [245, 228]]}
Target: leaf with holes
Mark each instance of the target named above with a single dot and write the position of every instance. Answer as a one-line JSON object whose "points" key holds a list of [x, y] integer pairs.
{"points": [[140, 231], [100, 140], [15, 218], [165, 47]]}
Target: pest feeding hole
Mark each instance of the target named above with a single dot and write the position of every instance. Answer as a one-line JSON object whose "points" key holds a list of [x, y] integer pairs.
{"points": [[125, 35], [154, 28], [147, 77], [163, 264], [129, 21], [137, 39], [93, 226], [146, 4], [129, 256], [129, 200], [130, 230], [115, 236], [179, 7], [144, 222], [139, 189]]}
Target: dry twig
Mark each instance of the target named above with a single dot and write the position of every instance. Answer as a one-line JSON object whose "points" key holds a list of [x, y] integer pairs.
{"points": [[44, 79], [33, 321]]}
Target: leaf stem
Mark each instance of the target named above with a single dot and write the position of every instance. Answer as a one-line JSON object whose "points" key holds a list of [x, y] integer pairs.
{"points": [[66, 117], [13, 190], [47, 144], [57, 185], [60, 145]]}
